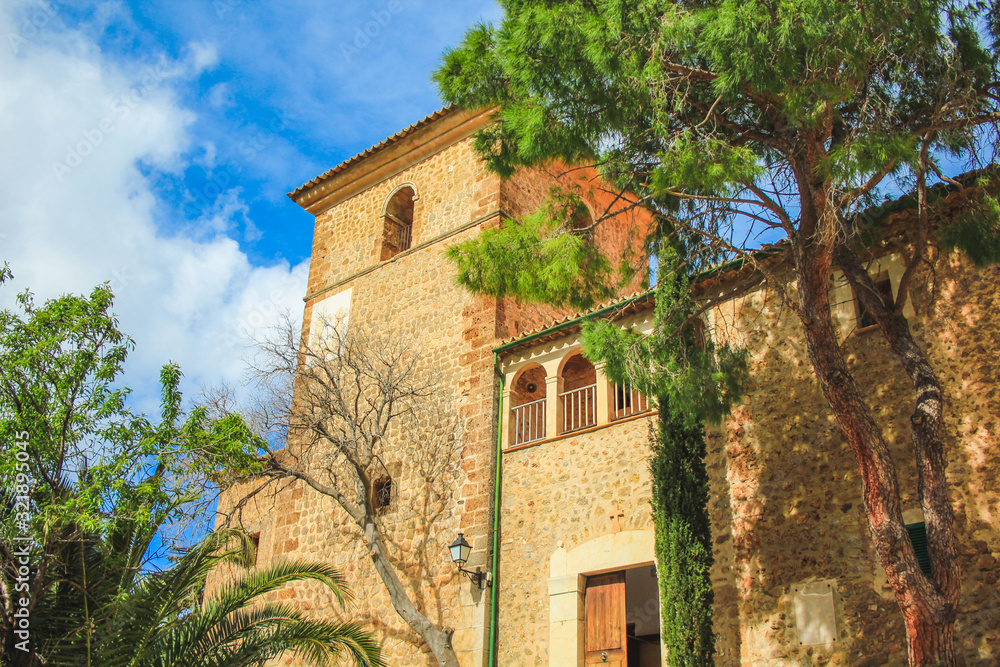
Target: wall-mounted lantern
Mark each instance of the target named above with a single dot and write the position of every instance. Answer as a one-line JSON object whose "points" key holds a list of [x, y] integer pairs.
{"points": [[460, 550]]}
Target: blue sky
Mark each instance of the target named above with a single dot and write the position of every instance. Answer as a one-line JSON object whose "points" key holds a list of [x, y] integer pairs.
{"points": [[151, 144]]}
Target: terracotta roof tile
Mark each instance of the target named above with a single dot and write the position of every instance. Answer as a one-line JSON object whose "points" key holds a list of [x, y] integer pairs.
{"points": [[402, 134]]}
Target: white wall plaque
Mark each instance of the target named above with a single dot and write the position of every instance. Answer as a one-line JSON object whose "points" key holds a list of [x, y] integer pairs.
{"points": [[815, 615]]}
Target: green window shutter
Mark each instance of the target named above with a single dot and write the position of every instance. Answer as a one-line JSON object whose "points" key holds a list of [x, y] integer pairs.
{"points": [[918, 536]]}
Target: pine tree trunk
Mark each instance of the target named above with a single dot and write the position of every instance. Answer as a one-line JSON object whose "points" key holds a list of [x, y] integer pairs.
{"points": [[928, 607], [930, 616], [929, 642]]}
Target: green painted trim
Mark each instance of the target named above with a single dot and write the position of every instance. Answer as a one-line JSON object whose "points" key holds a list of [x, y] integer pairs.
{"points": [[918, 538], [497, 480]]}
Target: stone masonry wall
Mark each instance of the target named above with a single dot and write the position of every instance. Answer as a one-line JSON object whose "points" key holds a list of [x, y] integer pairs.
{"points": [[786, 500], [559, 494], [620, 238], [785, 503], [438, 493], [452, 188]]}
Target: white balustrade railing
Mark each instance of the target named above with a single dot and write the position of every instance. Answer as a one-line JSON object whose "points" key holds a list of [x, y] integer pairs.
{"points": [[628, 401], [527, 422], [579, 407]]}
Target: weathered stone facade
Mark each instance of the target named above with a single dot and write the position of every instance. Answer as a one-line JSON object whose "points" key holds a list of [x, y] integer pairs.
{"points": [[786, 503], [786, 507], [412, 295], [786, 492]]}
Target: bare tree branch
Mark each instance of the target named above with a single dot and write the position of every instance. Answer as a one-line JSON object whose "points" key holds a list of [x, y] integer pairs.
{"points": [[332, 409]]}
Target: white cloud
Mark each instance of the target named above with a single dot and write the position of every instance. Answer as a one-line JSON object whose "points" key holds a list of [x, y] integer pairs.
{"points": [[202, 56], [83, 138], [220, 96]]}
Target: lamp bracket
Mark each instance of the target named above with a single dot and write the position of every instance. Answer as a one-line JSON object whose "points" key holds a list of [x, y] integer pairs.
{"points": [[479, 578]]}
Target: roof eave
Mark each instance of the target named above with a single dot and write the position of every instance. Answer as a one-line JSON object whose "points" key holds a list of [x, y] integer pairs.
{"points": [[431, 135]]}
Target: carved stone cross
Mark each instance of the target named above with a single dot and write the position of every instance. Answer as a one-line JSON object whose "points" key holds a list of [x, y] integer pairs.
{"points": [[616, 513]]}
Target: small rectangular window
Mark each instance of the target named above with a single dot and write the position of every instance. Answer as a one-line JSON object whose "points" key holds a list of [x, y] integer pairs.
{"points": [[382, 493], [884, 288]]}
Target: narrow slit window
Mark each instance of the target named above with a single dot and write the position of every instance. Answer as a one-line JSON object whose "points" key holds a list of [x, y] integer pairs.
{"points": [[582, 220], [918, 537], [255, 540], [382, 493]]}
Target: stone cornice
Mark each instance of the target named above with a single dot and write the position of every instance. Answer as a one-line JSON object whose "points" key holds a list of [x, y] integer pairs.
{"points": [[384, 162]]}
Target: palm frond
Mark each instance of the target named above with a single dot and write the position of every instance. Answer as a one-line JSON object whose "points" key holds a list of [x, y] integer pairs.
{"points": [[164, 622]]}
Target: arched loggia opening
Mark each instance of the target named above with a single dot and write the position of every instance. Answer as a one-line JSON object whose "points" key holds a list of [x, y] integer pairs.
{"points": [[578, 400], [527, 406]]}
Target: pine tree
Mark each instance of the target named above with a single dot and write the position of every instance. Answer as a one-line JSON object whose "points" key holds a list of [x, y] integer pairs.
{"points": [[730, 118], [683, 538]]}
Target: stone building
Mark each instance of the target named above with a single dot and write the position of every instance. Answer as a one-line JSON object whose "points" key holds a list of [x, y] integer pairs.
{"points": [[568, 536]]}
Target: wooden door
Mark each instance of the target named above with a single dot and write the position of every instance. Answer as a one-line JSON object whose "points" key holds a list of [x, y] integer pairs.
{"points": [[605, 643]]}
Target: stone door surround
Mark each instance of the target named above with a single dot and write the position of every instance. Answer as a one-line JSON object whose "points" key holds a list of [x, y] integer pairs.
{"points": [[568, 572]]}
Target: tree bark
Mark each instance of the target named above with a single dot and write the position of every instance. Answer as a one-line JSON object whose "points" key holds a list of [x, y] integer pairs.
{"points": [[928, 607], [437, 640], [929, 614]]}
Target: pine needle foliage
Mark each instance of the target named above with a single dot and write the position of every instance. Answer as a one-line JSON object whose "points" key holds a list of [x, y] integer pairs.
{"points": [[977, 232], [546, 257], [733, 118]]}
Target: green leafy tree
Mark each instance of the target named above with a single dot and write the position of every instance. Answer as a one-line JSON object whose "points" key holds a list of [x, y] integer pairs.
{"points": [[731, 118], [93, 492]]}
